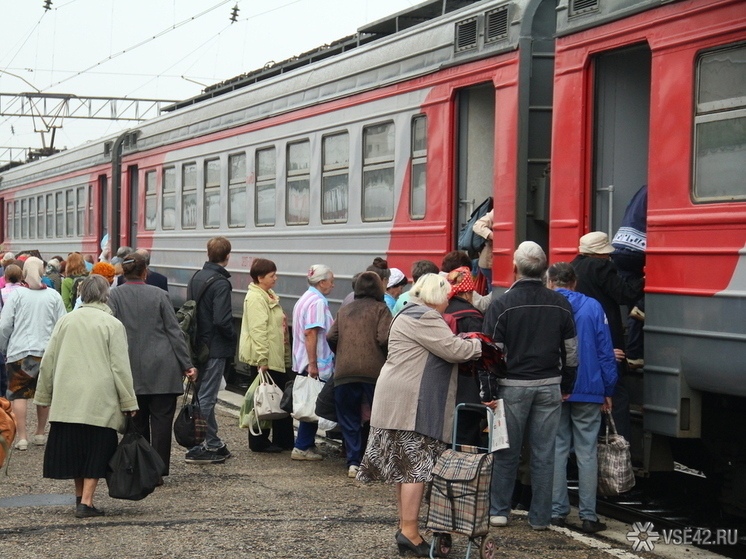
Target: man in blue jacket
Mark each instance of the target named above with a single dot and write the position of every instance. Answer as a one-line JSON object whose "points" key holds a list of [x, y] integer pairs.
{"points": [[581, 412]]}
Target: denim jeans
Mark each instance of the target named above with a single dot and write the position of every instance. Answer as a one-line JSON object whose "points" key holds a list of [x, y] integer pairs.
{"points": [[348, 399], [536, 410], [578, 428], [210, 376]]}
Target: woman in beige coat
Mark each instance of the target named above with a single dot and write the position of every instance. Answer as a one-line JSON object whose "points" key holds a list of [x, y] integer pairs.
{"points": [[412, 416]]}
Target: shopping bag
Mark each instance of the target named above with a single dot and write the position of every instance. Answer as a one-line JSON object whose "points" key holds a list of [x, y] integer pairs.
{"points": [[287, 397], [325, 406], [615, 474], [306, 391], [190, 426], [135, 470], [499, 427], [246, 415], [267, 399]]}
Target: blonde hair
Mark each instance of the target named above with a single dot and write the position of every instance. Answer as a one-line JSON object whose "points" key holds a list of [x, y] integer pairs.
{"points": [[432, 289]]}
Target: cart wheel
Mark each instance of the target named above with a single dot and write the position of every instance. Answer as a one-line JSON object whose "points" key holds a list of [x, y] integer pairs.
{"points": [[443, 544], [488, 548]]}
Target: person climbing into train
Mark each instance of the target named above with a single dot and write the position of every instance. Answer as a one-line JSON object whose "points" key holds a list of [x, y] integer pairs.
{"points": [[598, 278], [580, 418], [483, 228]]}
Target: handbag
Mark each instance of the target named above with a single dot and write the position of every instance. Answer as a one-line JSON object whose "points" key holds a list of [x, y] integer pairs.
{"points": [[267, 399], [615, 474], [325, 406], [305, 393], [287, 397], [190, 426], [135, 469], [247, 415]]}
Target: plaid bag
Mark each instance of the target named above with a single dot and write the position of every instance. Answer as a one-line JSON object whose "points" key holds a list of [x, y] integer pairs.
{"points": [[459, 495], [615, 474]]}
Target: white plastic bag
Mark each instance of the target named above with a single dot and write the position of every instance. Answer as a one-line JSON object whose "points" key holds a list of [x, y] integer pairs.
{"points": [[305, 392], [499, 428]]}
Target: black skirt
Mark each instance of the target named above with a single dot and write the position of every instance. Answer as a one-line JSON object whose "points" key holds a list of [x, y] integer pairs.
{"points": [[75, 450]]}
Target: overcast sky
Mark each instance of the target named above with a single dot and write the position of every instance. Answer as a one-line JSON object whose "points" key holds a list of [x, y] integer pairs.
{"points": [[111, 42]]}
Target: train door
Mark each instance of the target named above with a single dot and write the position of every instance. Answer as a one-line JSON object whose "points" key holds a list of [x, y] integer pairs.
{"points": [[133, 187], [103, 208], [475, 149], [622, 117]]}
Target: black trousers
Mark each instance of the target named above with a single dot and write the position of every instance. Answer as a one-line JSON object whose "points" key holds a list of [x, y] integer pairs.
{"points": [[154, 421], [282, 429]]}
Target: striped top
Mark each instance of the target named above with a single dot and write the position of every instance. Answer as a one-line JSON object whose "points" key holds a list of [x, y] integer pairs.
{"points": [[312, 311]]}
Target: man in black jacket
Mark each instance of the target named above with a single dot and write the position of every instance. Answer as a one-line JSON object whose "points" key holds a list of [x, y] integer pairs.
{"points": [[534, 327], [215, 331]]}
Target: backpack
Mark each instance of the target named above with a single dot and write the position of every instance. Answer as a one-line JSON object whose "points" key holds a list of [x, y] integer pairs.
{"points": [[186, 316], [468, 240], [7, 429], [77, 280]]}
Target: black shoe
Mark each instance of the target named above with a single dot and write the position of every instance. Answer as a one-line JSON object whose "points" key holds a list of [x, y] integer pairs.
{"points": [[203, 456], [272, 449], [223, 451], [84, 511], [593, 526], [558, 521], [420, 550]]}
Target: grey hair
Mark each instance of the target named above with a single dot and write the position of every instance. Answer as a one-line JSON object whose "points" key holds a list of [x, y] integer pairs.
{"points": [[319, 273], [530, 260], [94, 289], [146, 254], [123, 251], [432, 289]]}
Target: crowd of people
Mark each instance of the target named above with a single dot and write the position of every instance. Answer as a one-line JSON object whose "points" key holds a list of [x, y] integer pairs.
{"points": [[92, 343]]}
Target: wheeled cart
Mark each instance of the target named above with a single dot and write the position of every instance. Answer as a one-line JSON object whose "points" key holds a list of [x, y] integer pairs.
{"points": [[459, 495]]}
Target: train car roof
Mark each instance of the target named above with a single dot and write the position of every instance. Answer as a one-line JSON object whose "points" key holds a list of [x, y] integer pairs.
{"points": [[577, 15]]}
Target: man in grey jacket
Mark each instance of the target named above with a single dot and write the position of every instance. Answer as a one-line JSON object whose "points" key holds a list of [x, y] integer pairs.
{"points": [[535, 328]]}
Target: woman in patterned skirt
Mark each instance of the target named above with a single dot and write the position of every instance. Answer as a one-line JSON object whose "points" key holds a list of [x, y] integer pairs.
{"points": [[412, 415]]}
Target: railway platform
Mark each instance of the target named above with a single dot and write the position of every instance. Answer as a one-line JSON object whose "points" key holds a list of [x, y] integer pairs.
{"points": [[258, 506]]}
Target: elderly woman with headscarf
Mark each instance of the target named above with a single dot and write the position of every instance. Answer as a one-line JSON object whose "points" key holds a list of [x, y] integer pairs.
{"points": [[26, 324], [158, 353], [412, 415], [86, 382], [394, 287], [53, 278]]}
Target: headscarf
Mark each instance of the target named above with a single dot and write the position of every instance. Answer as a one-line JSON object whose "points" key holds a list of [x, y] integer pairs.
{"points": [[33, 269], [460, 280]]}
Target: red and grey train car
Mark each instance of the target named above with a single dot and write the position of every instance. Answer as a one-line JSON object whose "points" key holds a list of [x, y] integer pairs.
{"points": [[380, 144]]}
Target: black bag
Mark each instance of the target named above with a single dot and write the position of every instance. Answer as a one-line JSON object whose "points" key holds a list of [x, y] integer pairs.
{"points": [[468, 240], [286, 403], [325, 406], [186, 316], [135, 470], [190, 426]]}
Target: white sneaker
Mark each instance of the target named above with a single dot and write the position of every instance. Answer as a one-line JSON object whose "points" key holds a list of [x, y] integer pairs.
{"points": [[498, 520], [22, 445], [40, 440], [307, 454], [352, 471]]}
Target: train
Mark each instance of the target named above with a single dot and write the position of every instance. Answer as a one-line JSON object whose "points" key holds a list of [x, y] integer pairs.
{"points": [[382, 143]]}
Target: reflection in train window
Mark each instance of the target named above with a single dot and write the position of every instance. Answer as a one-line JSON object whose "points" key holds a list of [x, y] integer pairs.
{"points": [[80, 215], [151, 202], [32, 217], [335, 178], [378, 172], [211, 217], [298, 189], [189, 196], [59, 221], [419, 165], [70, 213], [24, 218], [40, 217], [9, 220], [50, 215], [168, 199], [266, 175], [90, 210], [720, 126], [17, 219], [237, 190]]}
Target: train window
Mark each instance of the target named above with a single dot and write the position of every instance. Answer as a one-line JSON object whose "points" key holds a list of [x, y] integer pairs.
{"points": [[70, 213], [720, 126], [40, 217], [237, 190], [32, 217], [378, 172], [24, 218], [212, 194], [17, 219], [9, 220], [168, 199], [189, 196], [298, 191], [418, 197], [50, 215], [59, 215], [80, 216], [266, 175], [151, 202], [90, 210], [335, 178]]}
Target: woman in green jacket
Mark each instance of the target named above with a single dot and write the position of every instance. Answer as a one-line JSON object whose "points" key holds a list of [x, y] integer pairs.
{"points": [[264, 347], [86, 381]]}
